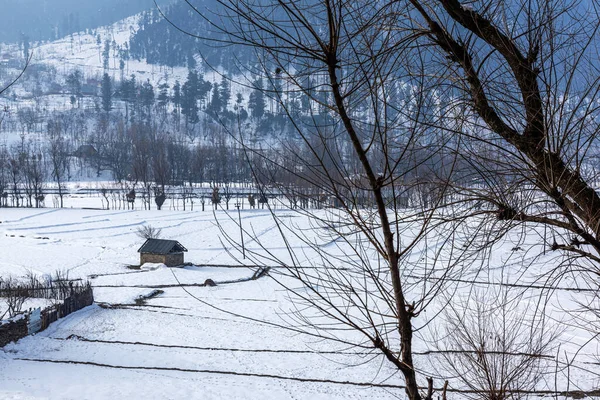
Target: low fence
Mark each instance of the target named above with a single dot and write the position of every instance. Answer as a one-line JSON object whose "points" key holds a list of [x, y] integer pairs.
{"points": [[37, 320]]}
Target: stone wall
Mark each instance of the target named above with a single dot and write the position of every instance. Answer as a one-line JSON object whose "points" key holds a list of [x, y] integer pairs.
{"points": [[170, 260], [13, 331]]}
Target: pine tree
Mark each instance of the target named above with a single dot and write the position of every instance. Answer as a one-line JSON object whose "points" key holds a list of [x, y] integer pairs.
{"points": [[216, 103], [147, 98], [276, 88], [106, 55], [203, 88], [127, 92], [189, 98], [177, 96], [163, 96], [106, 90], [74, 83], [99, 44], [122, 68], [225, 92], [177, 103], [239, 99], [256, 101]]}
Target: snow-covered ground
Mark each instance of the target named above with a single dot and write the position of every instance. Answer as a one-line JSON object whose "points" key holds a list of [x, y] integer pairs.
{"points": [[177, 345], [190, 342]]}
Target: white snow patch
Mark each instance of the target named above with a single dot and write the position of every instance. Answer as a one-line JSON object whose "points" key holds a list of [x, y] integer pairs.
{"points": [[152, 266]]}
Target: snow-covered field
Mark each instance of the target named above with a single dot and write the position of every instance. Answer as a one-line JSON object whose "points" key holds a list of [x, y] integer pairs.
{"points": [[177, 345], [190, 342]]}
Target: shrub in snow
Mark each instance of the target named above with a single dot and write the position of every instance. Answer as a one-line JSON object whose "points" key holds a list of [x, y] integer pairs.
{"points": [[149, 232]]}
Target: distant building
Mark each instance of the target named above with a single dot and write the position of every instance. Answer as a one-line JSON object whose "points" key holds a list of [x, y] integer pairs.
{"points": [[85, 151], [55, 88], [168, 252], [91, 87]]}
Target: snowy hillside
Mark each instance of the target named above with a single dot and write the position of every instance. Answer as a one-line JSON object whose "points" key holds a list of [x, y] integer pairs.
{"points": [[84, 52]]}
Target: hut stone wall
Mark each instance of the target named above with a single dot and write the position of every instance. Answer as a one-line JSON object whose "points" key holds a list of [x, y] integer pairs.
{"points": [[170, 260]]}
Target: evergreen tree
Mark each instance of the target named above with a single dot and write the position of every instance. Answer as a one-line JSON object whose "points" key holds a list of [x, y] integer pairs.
{"points": [[189, 98], [158, 43], [106, 90], [122, 68], [127, 92], [256, 101], [176, 102], [241, 112], [225, 92], [163, 96], [127, 89], [276, 88], [216, 103], [203, 88], [106, 55], [147, 98], [238, 101], [177, 96], [99, 44], [74, 84]]}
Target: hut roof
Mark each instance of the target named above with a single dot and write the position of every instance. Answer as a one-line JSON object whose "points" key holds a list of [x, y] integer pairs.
{"points": [[161, 246]]}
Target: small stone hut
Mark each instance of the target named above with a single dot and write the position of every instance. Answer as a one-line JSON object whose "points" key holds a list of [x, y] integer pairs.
{"points": [[85, 151], [168, 252]]}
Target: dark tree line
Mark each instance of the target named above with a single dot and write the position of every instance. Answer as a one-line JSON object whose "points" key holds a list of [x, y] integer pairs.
{"points": [[158, 42]]}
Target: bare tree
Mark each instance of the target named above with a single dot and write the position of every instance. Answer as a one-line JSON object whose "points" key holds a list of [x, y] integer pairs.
{"points": [[141, 160], [118, 152], [35, 176], [4, 176], [496, 346], [450, 105], [15, 175], [58, 157], [362, 287], [149, 232], [525, 96], [161, 170], [524, 78], [14, 295]]}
